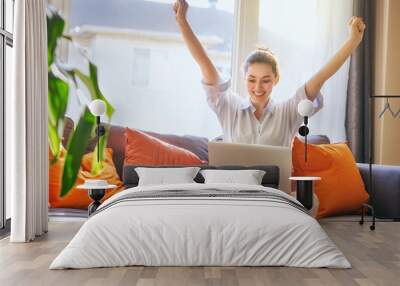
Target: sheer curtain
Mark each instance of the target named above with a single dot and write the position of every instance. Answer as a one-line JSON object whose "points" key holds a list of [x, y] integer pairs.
{"points": [[304, 34], [26, 123]]}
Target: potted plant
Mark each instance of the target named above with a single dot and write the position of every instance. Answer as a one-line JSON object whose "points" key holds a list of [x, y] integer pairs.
{"points": [[60, 79]]}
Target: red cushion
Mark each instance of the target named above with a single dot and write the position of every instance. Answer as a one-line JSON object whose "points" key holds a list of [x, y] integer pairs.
{"points": [[341, 189], [78, 198], [143, 149]]}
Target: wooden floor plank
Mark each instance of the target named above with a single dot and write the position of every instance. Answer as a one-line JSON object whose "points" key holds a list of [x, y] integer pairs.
{"points": [[375, 258]]}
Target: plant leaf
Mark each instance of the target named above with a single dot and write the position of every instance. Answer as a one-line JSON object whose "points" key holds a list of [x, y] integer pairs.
{"points": [[54, 141], [66, 70], [93, 76], [55, 28], [75, 150], [93, 87], [58, 91], [89, 81]]}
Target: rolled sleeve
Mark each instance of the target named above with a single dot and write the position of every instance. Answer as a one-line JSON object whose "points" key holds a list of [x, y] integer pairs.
{"points": [[300, 95], [224, 103], [295, 119], [216, 93]]}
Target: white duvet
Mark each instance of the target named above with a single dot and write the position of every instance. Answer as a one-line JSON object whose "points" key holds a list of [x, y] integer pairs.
{"points": [[200, 231]]}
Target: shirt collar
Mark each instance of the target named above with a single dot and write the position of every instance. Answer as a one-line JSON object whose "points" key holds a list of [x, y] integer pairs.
{"points": [[247, 104]]}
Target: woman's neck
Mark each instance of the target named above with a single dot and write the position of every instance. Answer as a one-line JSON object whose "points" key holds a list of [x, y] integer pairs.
{"points": [[260, 106]]}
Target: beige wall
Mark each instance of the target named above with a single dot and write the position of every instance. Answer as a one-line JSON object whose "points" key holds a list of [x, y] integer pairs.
{"points": [[387, 81]]}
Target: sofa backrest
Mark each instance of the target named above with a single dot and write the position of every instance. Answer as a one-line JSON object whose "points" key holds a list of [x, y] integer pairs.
{"points": [[195, 144], [116, 141]]}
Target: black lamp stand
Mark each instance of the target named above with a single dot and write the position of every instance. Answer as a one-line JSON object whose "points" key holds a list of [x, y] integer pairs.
{"points": [[96, 195], [100, 131], [304, 188], [370, 205], [303, 131], [304, 193]]}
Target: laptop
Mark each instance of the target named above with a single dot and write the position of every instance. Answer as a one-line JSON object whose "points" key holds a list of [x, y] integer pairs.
{"points": [[222, 154]]}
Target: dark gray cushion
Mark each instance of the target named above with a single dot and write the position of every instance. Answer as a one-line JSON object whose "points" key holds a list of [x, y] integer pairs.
{"points": [[316, 139], [386, 189], [270, 179]]}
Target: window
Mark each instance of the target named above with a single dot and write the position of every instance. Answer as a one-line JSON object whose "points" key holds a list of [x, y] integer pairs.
{"points": [[145, 69], [6, 42], [140, 67], [305, 34]]}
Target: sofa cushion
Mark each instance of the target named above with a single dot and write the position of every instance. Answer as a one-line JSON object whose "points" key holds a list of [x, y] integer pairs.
{"points": [[316, 139], [385, 193], [76, 198], [341, 189], [147, 150]]}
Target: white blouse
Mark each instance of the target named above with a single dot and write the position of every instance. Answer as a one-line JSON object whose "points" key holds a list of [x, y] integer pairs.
{"points": [[277, 126]]}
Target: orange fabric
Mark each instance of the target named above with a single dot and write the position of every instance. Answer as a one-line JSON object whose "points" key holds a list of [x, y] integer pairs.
{"points": [[341, 189], [146, 150], [76, 198]]}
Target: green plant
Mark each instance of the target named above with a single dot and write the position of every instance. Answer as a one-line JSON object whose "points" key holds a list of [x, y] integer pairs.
{"points": [[60, 76]]}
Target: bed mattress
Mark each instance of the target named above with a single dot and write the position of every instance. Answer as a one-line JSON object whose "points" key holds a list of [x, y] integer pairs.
{"points": [[201, 225]]}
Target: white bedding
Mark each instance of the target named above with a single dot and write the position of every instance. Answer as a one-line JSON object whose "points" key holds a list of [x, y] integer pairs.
{"points": [[200, 231]]}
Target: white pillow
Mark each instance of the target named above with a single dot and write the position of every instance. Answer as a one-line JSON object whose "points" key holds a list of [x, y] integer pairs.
{"points": [[165, 176], [248, 177]]}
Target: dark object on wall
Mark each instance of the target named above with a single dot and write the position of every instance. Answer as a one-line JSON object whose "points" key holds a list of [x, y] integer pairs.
{"points": [[381, 204], [389, 208], [388, 108]]}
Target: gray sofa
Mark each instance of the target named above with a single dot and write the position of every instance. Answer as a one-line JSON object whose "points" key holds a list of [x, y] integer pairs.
{"points": [[386, 179], [385, 194]]}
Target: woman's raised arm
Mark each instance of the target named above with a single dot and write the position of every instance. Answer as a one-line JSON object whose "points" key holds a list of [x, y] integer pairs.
{"points": [[356, 31], [210, 73]]}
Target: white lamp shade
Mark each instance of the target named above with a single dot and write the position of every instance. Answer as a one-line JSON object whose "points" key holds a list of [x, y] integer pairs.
{"points": [[97, 107], [305, 107]]}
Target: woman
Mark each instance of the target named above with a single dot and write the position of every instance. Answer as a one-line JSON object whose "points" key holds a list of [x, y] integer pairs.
{"points": [[259, 120]]}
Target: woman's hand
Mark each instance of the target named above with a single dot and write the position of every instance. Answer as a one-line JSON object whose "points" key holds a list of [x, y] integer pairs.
{"points": [[356, 29], [180, 10], [210, 74]]}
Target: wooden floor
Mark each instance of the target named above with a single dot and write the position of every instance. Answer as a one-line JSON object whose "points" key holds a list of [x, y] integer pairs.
{"points": [[375, 257]]}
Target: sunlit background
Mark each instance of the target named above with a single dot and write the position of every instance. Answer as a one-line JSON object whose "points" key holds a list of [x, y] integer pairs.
{"points": [[147, 73]]}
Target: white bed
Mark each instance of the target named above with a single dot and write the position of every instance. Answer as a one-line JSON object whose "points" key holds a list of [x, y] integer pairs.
{"points": [[188, 231]]}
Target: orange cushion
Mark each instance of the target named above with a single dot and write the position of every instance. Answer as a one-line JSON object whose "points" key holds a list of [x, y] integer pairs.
{"points": [[76, 198], [341, 189], [143, 149]]}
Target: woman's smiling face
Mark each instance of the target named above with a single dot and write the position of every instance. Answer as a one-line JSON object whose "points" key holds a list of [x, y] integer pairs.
{"points": [[260, 80]]}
